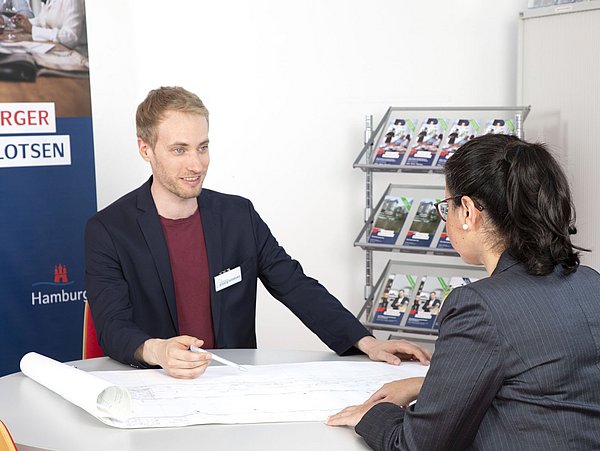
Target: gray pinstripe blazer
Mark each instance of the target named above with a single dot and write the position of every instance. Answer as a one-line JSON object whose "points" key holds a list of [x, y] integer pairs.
{"points": [[516, 367]]}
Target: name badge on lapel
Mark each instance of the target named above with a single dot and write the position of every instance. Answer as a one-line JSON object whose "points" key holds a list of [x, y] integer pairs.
{"points": [[227, 278]]}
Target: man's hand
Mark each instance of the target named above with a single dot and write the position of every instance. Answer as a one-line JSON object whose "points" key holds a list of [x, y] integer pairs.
{"points": [[175, 357], [392, 351]]}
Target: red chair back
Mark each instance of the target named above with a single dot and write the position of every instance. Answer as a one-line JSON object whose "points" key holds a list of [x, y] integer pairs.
{"points": [[91, 348]]}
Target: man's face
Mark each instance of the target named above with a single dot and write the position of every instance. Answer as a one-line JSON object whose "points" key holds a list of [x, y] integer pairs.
{"points": [[432, 295], [180, 158]]}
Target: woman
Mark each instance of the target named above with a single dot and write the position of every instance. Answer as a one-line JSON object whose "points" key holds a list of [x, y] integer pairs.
{"points": [[517, 362]]}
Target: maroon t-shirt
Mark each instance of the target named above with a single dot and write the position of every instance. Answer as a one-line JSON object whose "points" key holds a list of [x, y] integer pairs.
{"points": [[189, 265]]}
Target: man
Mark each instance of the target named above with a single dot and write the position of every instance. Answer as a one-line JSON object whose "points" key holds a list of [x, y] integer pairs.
{"points": [[431, 302], [171, 265], [400, 300]]}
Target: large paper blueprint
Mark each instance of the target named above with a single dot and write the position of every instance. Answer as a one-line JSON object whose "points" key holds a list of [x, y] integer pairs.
{"points": [[265, 393]]}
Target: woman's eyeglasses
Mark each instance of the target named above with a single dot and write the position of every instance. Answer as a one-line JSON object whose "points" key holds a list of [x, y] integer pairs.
{"points": [[442, 206]]}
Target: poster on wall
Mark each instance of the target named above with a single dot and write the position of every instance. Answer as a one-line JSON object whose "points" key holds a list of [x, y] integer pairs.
{"points": [[47, 179]]}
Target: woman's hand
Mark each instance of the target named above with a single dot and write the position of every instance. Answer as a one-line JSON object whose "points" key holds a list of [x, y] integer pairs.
{"points": [[401, 392], [350, 416]]}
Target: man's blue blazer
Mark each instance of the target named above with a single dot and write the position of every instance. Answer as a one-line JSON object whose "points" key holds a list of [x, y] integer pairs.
{"points": [[130, 285]]}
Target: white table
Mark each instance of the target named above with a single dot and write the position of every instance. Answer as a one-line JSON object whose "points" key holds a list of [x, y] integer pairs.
{"points": [[40, 419]]}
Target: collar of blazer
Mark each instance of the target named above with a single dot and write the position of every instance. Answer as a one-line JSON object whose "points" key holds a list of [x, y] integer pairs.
{"points": [[505, 262]]}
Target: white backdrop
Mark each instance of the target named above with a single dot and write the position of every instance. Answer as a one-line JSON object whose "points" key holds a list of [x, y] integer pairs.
{"points": [[288, 84]]}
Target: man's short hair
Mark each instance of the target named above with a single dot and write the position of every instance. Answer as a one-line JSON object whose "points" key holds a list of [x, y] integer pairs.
{"points": [[152, 110]]}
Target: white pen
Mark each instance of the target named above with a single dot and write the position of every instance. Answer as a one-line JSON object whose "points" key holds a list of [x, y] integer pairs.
{"points": [[219, 359]]}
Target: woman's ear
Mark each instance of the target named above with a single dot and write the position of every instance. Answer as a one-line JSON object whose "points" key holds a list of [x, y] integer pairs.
{"points": [[470, 213]]}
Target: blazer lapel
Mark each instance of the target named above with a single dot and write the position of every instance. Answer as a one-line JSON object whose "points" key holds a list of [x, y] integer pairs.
{"points": [[211, 223], [149, 224]]}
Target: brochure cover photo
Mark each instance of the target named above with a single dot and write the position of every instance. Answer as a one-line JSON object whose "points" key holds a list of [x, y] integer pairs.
{"points": [[390, 219], [427, 142], [394, 299], [432, 292], [424, 225], [503, 126], [395, 141], [426, 304], [462, 131]]}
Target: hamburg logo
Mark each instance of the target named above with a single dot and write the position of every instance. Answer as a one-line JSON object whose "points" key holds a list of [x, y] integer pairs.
{"points": [[56, 291], [61, 277]]}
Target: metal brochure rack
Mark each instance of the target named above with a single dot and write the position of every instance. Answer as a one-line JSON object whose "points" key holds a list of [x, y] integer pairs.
{"points": [[421, 185]]}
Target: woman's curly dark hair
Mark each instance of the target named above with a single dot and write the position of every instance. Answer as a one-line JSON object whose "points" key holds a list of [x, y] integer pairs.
{"points": [[526, 196]]}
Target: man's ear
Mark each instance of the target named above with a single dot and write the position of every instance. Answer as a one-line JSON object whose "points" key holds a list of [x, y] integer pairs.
{"points": [[144, 149]]}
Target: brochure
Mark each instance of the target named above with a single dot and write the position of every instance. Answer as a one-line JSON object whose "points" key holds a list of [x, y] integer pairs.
{"points": [[394, 297], [504, 126], [424, 224], [426, 302], [427, 142], [390, 219], [462, 131], [430, 298], [395, 141]]}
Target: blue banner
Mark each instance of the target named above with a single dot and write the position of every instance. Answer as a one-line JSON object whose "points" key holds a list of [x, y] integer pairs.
{"points": [[42, 218], [47, 180]]}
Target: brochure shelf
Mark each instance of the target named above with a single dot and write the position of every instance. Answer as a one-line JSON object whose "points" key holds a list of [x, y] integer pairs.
{"points": [[406, 130], [415, 142], [408, 296], [405, 219]]}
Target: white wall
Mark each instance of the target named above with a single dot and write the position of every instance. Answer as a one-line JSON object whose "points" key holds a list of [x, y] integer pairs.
{"points": [[288, 85]]}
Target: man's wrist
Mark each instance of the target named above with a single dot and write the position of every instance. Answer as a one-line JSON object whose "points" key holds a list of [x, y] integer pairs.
{"points": [[366, 343], [147, 353], [138, 355]]}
